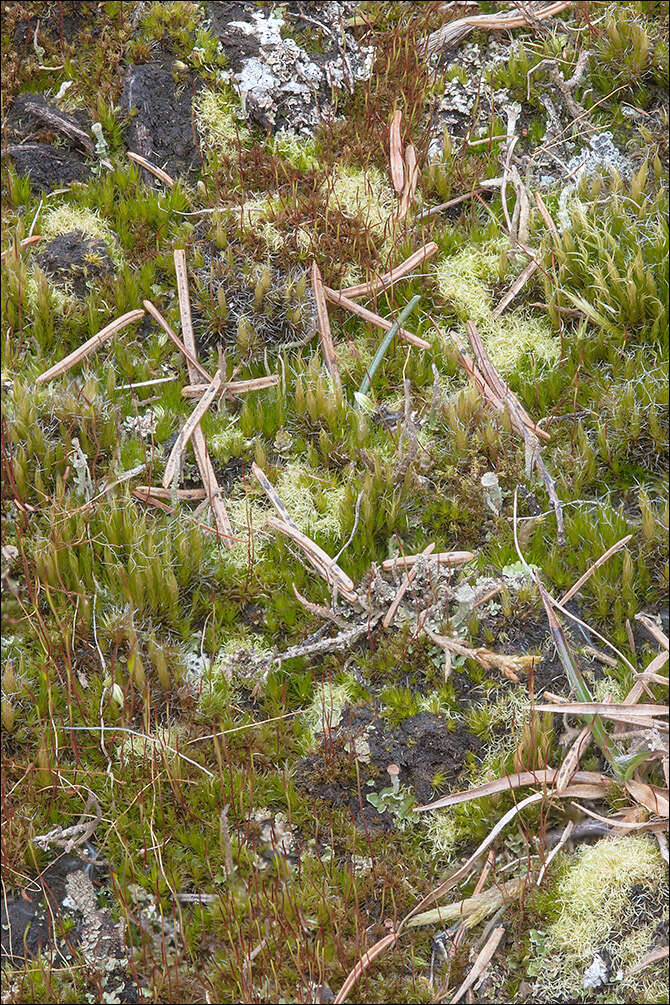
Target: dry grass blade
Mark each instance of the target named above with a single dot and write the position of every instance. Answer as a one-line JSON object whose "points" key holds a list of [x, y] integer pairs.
{"points": [[453, 33], [544, 213], [404, 586], [199, 446], [374, 319], [516, 287], [395, 153], [487, 902], [501, 391], [482, 962], [624, 825], [571, 761], [272, 495], [188, 355], [22, 244], [325, 335], [321, 561], [363, 965], [508, 664], [654, 630], [652, 797], [605, 709], [545, 776], [411, 181], [596, 565], [160, 493], [403, 562], [393, 275], [174, 460], [90, 346], [151, 168], [233, 387]]}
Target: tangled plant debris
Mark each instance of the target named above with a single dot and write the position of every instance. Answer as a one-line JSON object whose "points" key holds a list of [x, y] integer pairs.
{"points": [[335, 510]]}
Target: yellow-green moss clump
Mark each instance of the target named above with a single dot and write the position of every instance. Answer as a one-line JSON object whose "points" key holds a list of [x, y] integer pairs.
{"points": [[466, 280], [612, 897], [217, 122]]}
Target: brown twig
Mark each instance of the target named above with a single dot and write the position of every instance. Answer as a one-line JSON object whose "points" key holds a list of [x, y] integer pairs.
{"points": [[374, 319], [325, 336], [151, 168], [88, 347], [384, 282], [189, 429]]}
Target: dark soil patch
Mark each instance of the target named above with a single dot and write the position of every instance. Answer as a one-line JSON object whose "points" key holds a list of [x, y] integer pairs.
{"points": [[28, 918], [420, 745], [161, 128], [75, 260], [47, 167]]}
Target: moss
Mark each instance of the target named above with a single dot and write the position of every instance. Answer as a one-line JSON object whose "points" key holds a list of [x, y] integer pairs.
{"points": [[466, 280], [598, 889], [217, 122]]}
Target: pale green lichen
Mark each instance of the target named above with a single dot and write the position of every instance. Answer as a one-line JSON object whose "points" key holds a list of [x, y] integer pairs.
{"points": [[600, 912], [298, 151], [466, 281], [327, 708], [217, 122]]}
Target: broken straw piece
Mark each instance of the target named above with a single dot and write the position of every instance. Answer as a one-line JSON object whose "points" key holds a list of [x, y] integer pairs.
{"points": [[191, 425], [395, 153], [88, 347], [393, 275], [325, 336], [151, 168], [233, 386], [199, 446]]}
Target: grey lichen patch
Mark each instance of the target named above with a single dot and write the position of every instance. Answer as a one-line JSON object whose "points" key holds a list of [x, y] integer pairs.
{"points": [[280, 84]]}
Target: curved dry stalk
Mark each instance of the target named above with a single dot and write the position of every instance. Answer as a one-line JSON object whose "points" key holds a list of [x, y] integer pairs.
{"points": [[151, 168]]}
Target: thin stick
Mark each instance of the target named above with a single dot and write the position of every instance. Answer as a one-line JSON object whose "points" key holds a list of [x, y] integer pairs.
{"points": [[589, 572], [272, 495], [88, 347], [151, 168], [384, 282], [442, 558], [22, 244], [160, 493], [481, 964], [516, 287], [190, 357], [321, 561], [484, 186], [187, 432], [374, 319], [325, 335], [233, 386], [653, 629]]}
